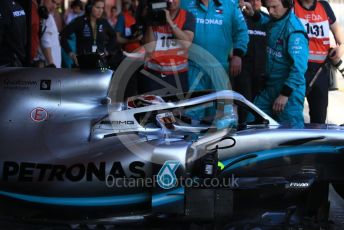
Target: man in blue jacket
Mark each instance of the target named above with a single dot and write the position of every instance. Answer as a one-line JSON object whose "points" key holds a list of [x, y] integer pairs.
{"points": [[221, 31], [287, 56], [12, 33]]}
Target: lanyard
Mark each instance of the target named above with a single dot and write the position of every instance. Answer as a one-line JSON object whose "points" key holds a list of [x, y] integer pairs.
{"points": [[94, 28], [94, 32]]}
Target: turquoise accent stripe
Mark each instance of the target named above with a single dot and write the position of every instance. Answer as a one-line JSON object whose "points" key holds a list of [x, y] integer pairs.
{"points": [[84, 201], [283, 152], [168, 197]]}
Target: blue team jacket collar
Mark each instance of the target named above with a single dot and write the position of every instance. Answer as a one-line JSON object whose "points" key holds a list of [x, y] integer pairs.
{"points": [[203, 7], [287, 14]]}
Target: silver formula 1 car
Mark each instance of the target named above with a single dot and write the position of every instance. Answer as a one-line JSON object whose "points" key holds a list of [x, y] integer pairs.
{"points": [[72, 153]]}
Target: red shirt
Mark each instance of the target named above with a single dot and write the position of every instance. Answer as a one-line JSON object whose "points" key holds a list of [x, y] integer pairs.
{"points": [[34, 30]]}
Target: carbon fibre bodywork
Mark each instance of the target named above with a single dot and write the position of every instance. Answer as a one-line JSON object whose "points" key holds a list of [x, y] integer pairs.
{"points": [[66, 139]]}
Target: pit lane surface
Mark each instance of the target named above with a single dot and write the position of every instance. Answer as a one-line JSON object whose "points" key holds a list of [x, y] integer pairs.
{"points": [[336, 210]]}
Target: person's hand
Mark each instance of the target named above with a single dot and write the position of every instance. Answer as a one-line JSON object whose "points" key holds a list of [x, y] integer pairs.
{"points": [[279, 104], [168, 17], [246, 8], [139, 38], [242, 4], [235, 66], [336, 53], [72, 55]]}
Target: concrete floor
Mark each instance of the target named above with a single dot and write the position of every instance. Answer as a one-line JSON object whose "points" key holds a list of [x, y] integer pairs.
{"points": [[335, 111], [336, 210]]}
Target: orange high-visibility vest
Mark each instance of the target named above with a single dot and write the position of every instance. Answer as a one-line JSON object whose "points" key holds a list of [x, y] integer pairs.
{"points": [[317, 26], [168, 56], [129, 20]]}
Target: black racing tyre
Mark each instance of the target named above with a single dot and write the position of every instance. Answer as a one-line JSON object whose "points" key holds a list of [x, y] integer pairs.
{"points": [[339, 189]]}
